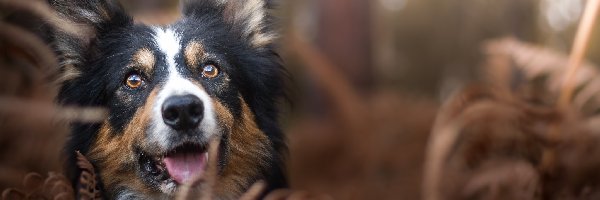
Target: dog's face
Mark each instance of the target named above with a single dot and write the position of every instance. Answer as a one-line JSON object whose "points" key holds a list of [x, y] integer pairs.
{"points": [[171, 89]]}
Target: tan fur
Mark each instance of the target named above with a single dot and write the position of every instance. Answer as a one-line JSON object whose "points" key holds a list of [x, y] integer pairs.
{"points": [[115, 151], [144, 58], [248, 152], [251, 15], [194, 53], [70, 72]]}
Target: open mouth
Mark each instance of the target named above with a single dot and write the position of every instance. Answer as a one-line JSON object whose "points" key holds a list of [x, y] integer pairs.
{"points": [[182, 164]]}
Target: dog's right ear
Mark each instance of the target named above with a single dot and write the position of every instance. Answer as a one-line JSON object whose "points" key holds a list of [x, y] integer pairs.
{"points": [[91, 17]]}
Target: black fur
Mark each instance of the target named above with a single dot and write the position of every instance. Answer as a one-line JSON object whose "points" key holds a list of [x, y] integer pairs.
{"points": [[255, 72]]}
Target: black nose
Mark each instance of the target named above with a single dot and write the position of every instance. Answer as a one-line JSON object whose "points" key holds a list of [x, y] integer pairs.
{"points": [[182, 112]]}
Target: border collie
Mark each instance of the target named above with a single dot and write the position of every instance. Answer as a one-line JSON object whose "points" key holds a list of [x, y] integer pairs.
{"points": [[169, 90]]}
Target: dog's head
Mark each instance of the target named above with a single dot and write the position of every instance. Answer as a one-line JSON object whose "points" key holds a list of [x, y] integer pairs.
{"points": [[169, 90]]}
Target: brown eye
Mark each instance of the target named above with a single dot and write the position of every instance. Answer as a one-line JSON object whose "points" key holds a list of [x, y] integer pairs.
{"points": [[134, 81], [210, 71]]}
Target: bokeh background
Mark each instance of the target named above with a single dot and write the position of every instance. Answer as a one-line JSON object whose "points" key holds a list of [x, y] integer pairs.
{"points": [[367, 79], [402, 59], [425, 46]]}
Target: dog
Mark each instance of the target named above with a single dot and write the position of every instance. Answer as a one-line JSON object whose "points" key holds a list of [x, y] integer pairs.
{"points": [[169, 90]]}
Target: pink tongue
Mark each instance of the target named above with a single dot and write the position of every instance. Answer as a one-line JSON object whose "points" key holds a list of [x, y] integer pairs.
{"points": [[184, 166]]}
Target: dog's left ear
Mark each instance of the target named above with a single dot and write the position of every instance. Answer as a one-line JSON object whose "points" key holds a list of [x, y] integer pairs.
{"points": [[249, 18], [92, 17], [253, 19]]}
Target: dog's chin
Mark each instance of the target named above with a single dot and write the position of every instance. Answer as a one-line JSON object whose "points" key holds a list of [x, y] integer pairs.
{"points": [[181, 164]]}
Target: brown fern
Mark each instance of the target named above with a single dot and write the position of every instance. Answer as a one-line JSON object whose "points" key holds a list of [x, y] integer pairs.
{"points": [[55, 186], [87, 187]]}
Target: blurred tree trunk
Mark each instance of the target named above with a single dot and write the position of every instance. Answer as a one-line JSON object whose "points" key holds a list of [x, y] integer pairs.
{"points": [[344, 35]]}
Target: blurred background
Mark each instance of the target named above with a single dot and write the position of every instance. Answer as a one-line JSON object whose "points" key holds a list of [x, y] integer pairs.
{"points": [[424, 46], [402, 59], [368, 78]]}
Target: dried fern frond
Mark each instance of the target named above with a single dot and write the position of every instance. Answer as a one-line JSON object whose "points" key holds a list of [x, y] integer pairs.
{"points": [[542, 70], [41, 10], [53, 187], [487, 145], [87, 187], [254, 192]]}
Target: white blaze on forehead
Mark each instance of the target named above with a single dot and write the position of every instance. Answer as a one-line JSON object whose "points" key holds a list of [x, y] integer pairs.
{"points": [[169, 43]]}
